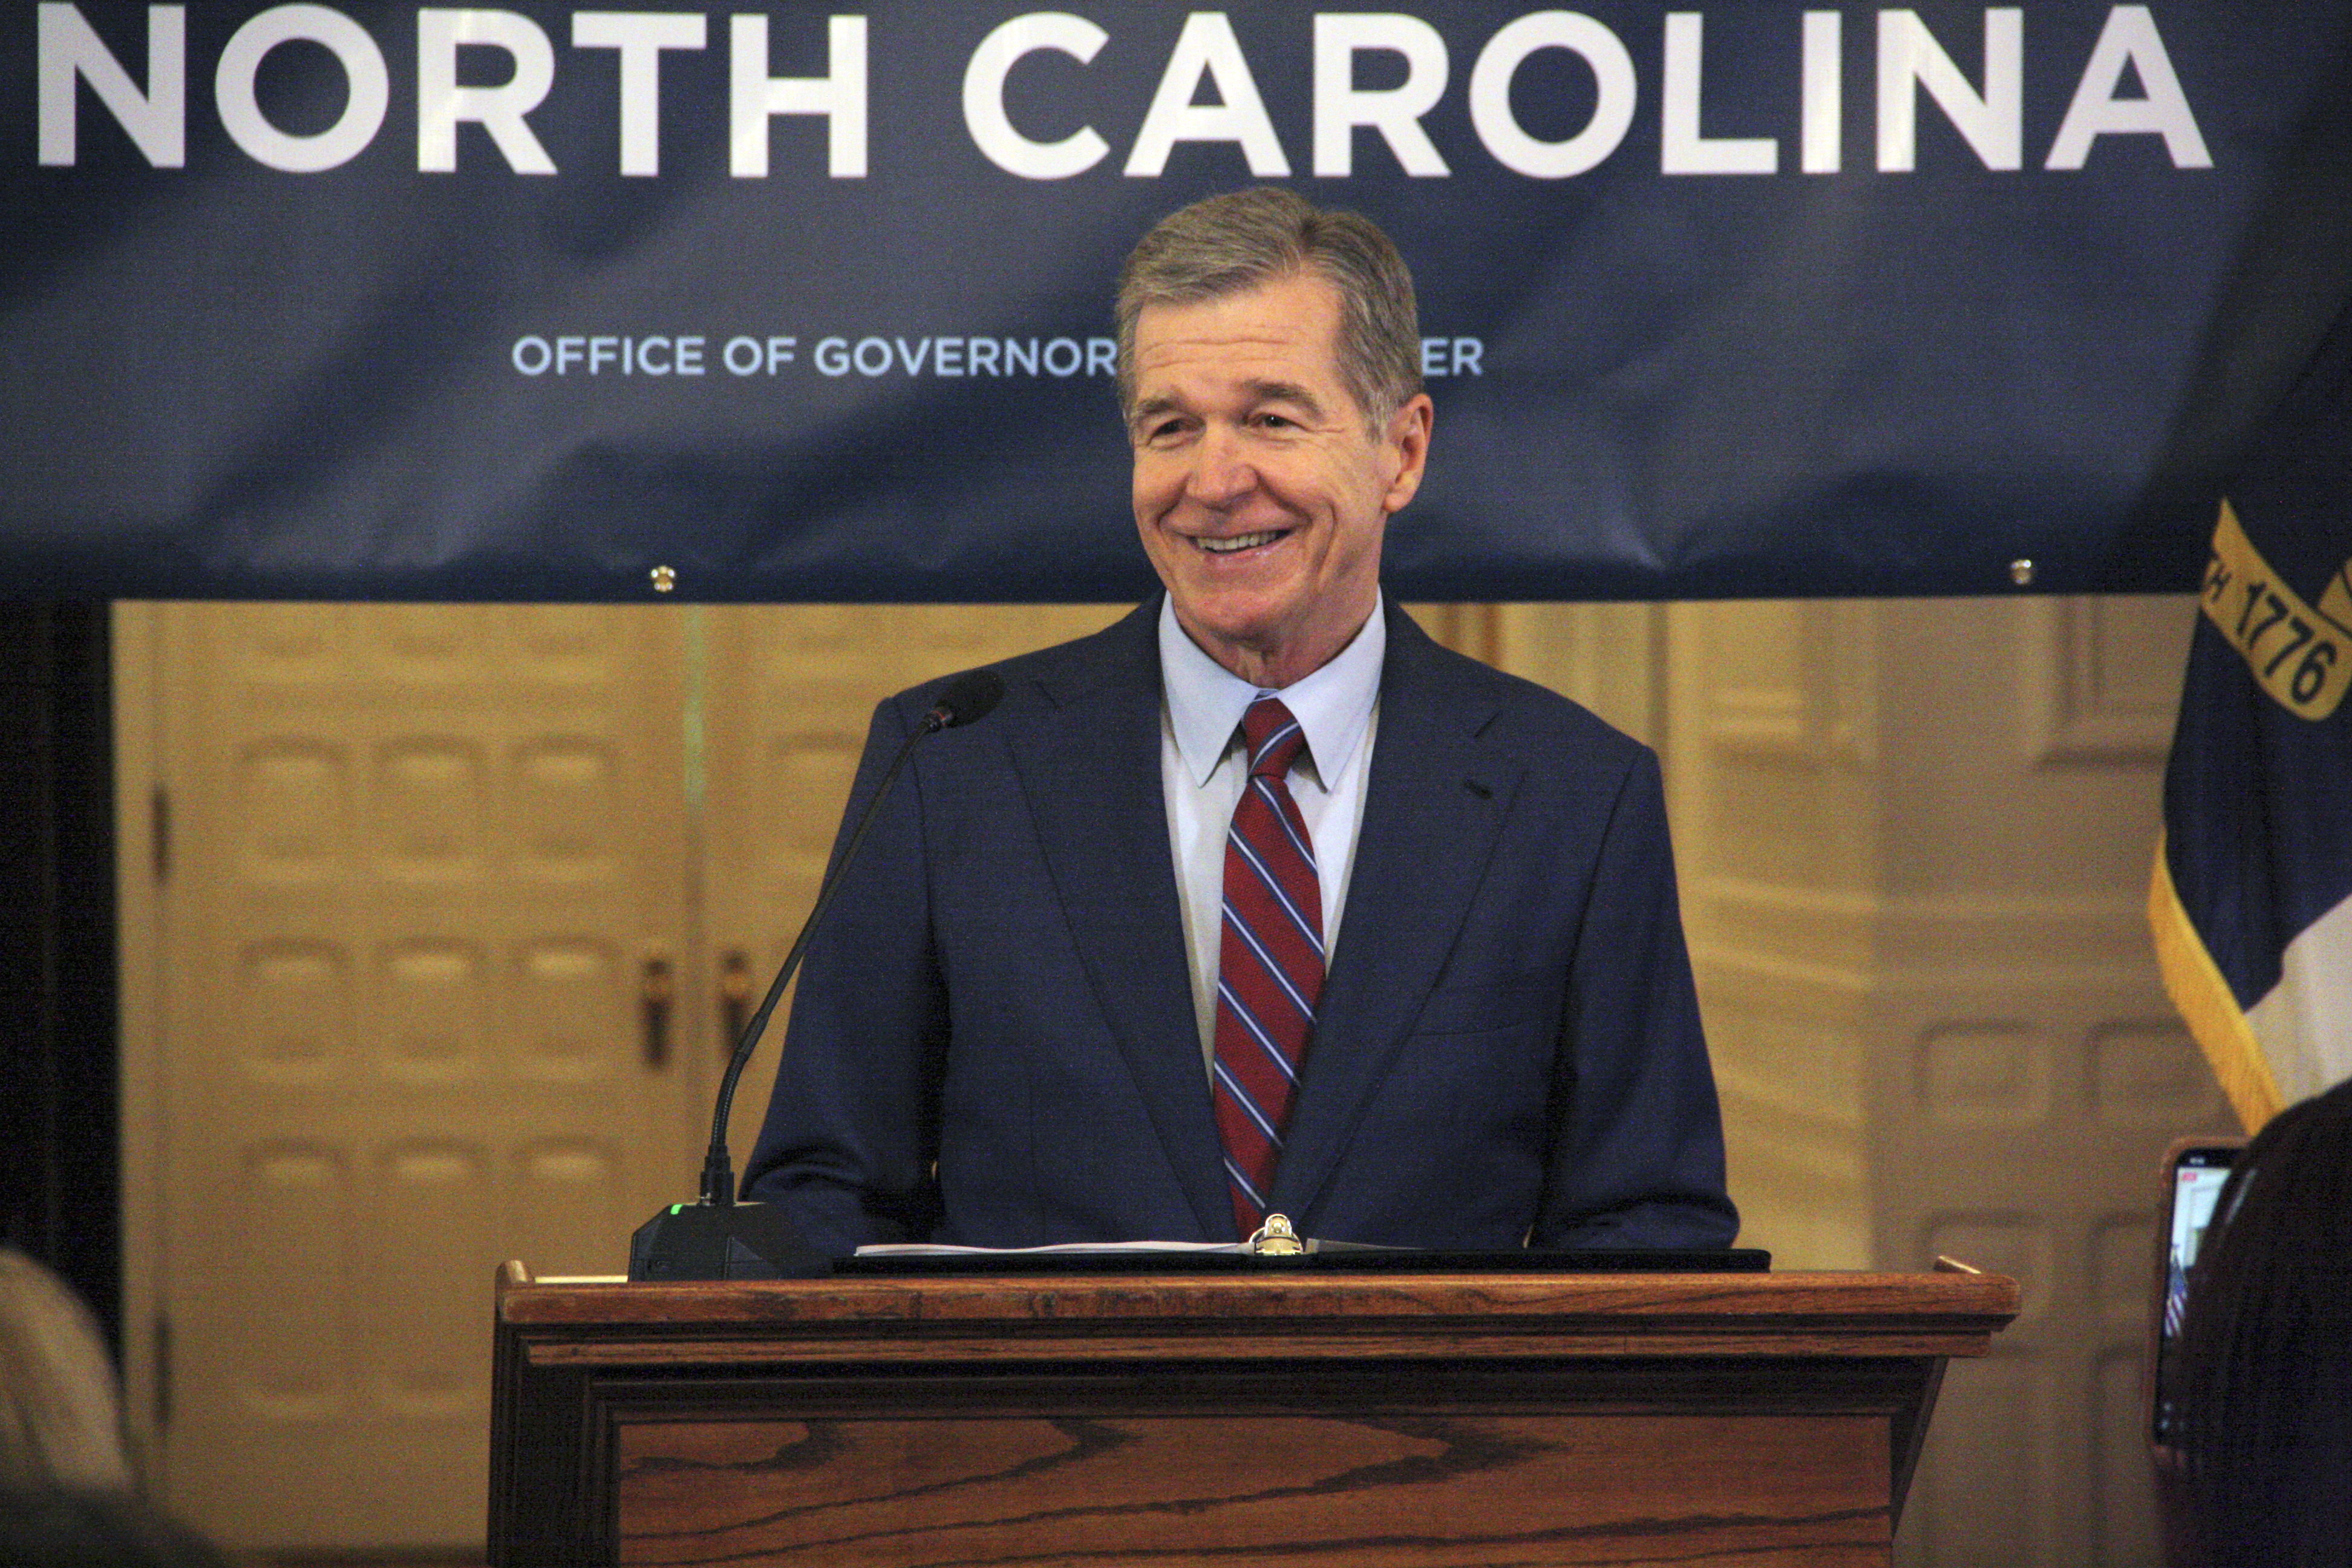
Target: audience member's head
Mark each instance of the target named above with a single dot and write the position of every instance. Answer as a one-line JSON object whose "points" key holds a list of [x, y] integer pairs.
{"points": [[2266, 1389], [61, 1415], [62, 1528]]}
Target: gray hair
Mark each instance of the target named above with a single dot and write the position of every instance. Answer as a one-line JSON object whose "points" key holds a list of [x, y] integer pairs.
{"points": [[1230, 244]]}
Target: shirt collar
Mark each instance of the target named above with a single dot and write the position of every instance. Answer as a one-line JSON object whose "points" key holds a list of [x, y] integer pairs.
{"points": [[1333, 705]]}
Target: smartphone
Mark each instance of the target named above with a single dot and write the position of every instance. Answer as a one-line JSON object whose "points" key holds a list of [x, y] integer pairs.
{"points": [[2195, 1171]]}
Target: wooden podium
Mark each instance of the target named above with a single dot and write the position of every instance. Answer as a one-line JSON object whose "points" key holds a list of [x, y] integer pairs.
{"points": [[1280, 1415]]}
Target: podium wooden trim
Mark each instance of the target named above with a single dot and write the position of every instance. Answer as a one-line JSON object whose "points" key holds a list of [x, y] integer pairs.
{"points": [[1352, 1418]]}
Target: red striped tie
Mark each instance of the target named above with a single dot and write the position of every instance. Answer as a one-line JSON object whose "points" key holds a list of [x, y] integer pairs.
{"points": [[1269, 964]]}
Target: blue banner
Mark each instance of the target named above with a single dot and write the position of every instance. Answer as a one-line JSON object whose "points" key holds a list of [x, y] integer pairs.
{"points": [[801, 303]]}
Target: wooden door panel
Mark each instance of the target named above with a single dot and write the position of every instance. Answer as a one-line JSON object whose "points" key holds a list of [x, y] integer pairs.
{"points": [[420, 855]]}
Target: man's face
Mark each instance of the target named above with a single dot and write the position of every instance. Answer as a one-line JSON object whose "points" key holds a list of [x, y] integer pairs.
{"points": [[1260, 492]]}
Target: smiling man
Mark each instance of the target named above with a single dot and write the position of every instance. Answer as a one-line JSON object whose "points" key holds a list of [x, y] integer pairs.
{"points": [[1423, 914], [1262, 481]]}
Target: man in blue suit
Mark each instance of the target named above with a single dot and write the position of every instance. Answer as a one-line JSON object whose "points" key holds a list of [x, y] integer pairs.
{"points": [[1107, 971]]}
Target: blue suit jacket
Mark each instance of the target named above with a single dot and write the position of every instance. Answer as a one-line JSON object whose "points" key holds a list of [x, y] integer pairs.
{"points": [[993, 1040]]}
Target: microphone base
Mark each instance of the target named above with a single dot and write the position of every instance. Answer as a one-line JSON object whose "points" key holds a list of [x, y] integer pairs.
{"points": [[736, 1241]]}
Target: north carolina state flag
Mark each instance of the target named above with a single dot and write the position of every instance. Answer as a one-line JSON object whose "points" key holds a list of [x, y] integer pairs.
{"points": [[2252, 898]]}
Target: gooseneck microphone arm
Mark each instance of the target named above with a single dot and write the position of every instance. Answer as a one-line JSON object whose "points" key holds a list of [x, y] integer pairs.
{"points": [[719, 1237], [965, 700]]}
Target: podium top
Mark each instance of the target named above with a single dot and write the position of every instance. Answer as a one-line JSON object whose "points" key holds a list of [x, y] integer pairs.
{"points": [[1222, 1316]]}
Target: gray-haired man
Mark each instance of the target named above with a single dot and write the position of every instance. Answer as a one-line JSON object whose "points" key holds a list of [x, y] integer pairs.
{"points": [[1257, 901]]}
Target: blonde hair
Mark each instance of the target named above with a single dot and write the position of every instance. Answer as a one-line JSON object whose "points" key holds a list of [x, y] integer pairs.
{"points": [[60, 1412]]}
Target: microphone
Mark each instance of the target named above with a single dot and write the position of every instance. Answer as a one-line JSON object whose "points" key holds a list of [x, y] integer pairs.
{"points": [[967, 700], [718, 1237]]}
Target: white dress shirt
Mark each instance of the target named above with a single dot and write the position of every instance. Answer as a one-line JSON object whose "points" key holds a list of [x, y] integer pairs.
{"points": [[1202, 769]]}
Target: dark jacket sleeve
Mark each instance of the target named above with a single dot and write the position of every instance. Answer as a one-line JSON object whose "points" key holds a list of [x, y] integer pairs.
{"points": [[852, 1134], [1637, 1157]]}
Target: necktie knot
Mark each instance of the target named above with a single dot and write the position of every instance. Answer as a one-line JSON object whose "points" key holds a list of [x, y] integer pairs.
{"points": [[1274, 737]]}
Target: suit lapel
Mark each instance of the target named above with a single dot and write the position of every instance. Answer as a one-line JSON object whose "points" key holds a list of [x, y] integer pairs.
{"points": [[1090, 770], [1433, 807]]}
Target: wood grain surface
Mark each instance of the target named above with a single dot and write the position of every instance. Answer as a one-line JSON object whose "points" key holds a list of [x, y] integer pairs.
{"points": [[1347, 1317], [1273, 1295], [1480, 1492], [1373, 1420]]}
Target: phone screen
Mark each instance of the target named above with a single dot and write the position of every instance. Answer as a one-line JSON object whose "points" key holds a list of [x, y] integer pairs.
{"points": [[2198, 1174]]}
